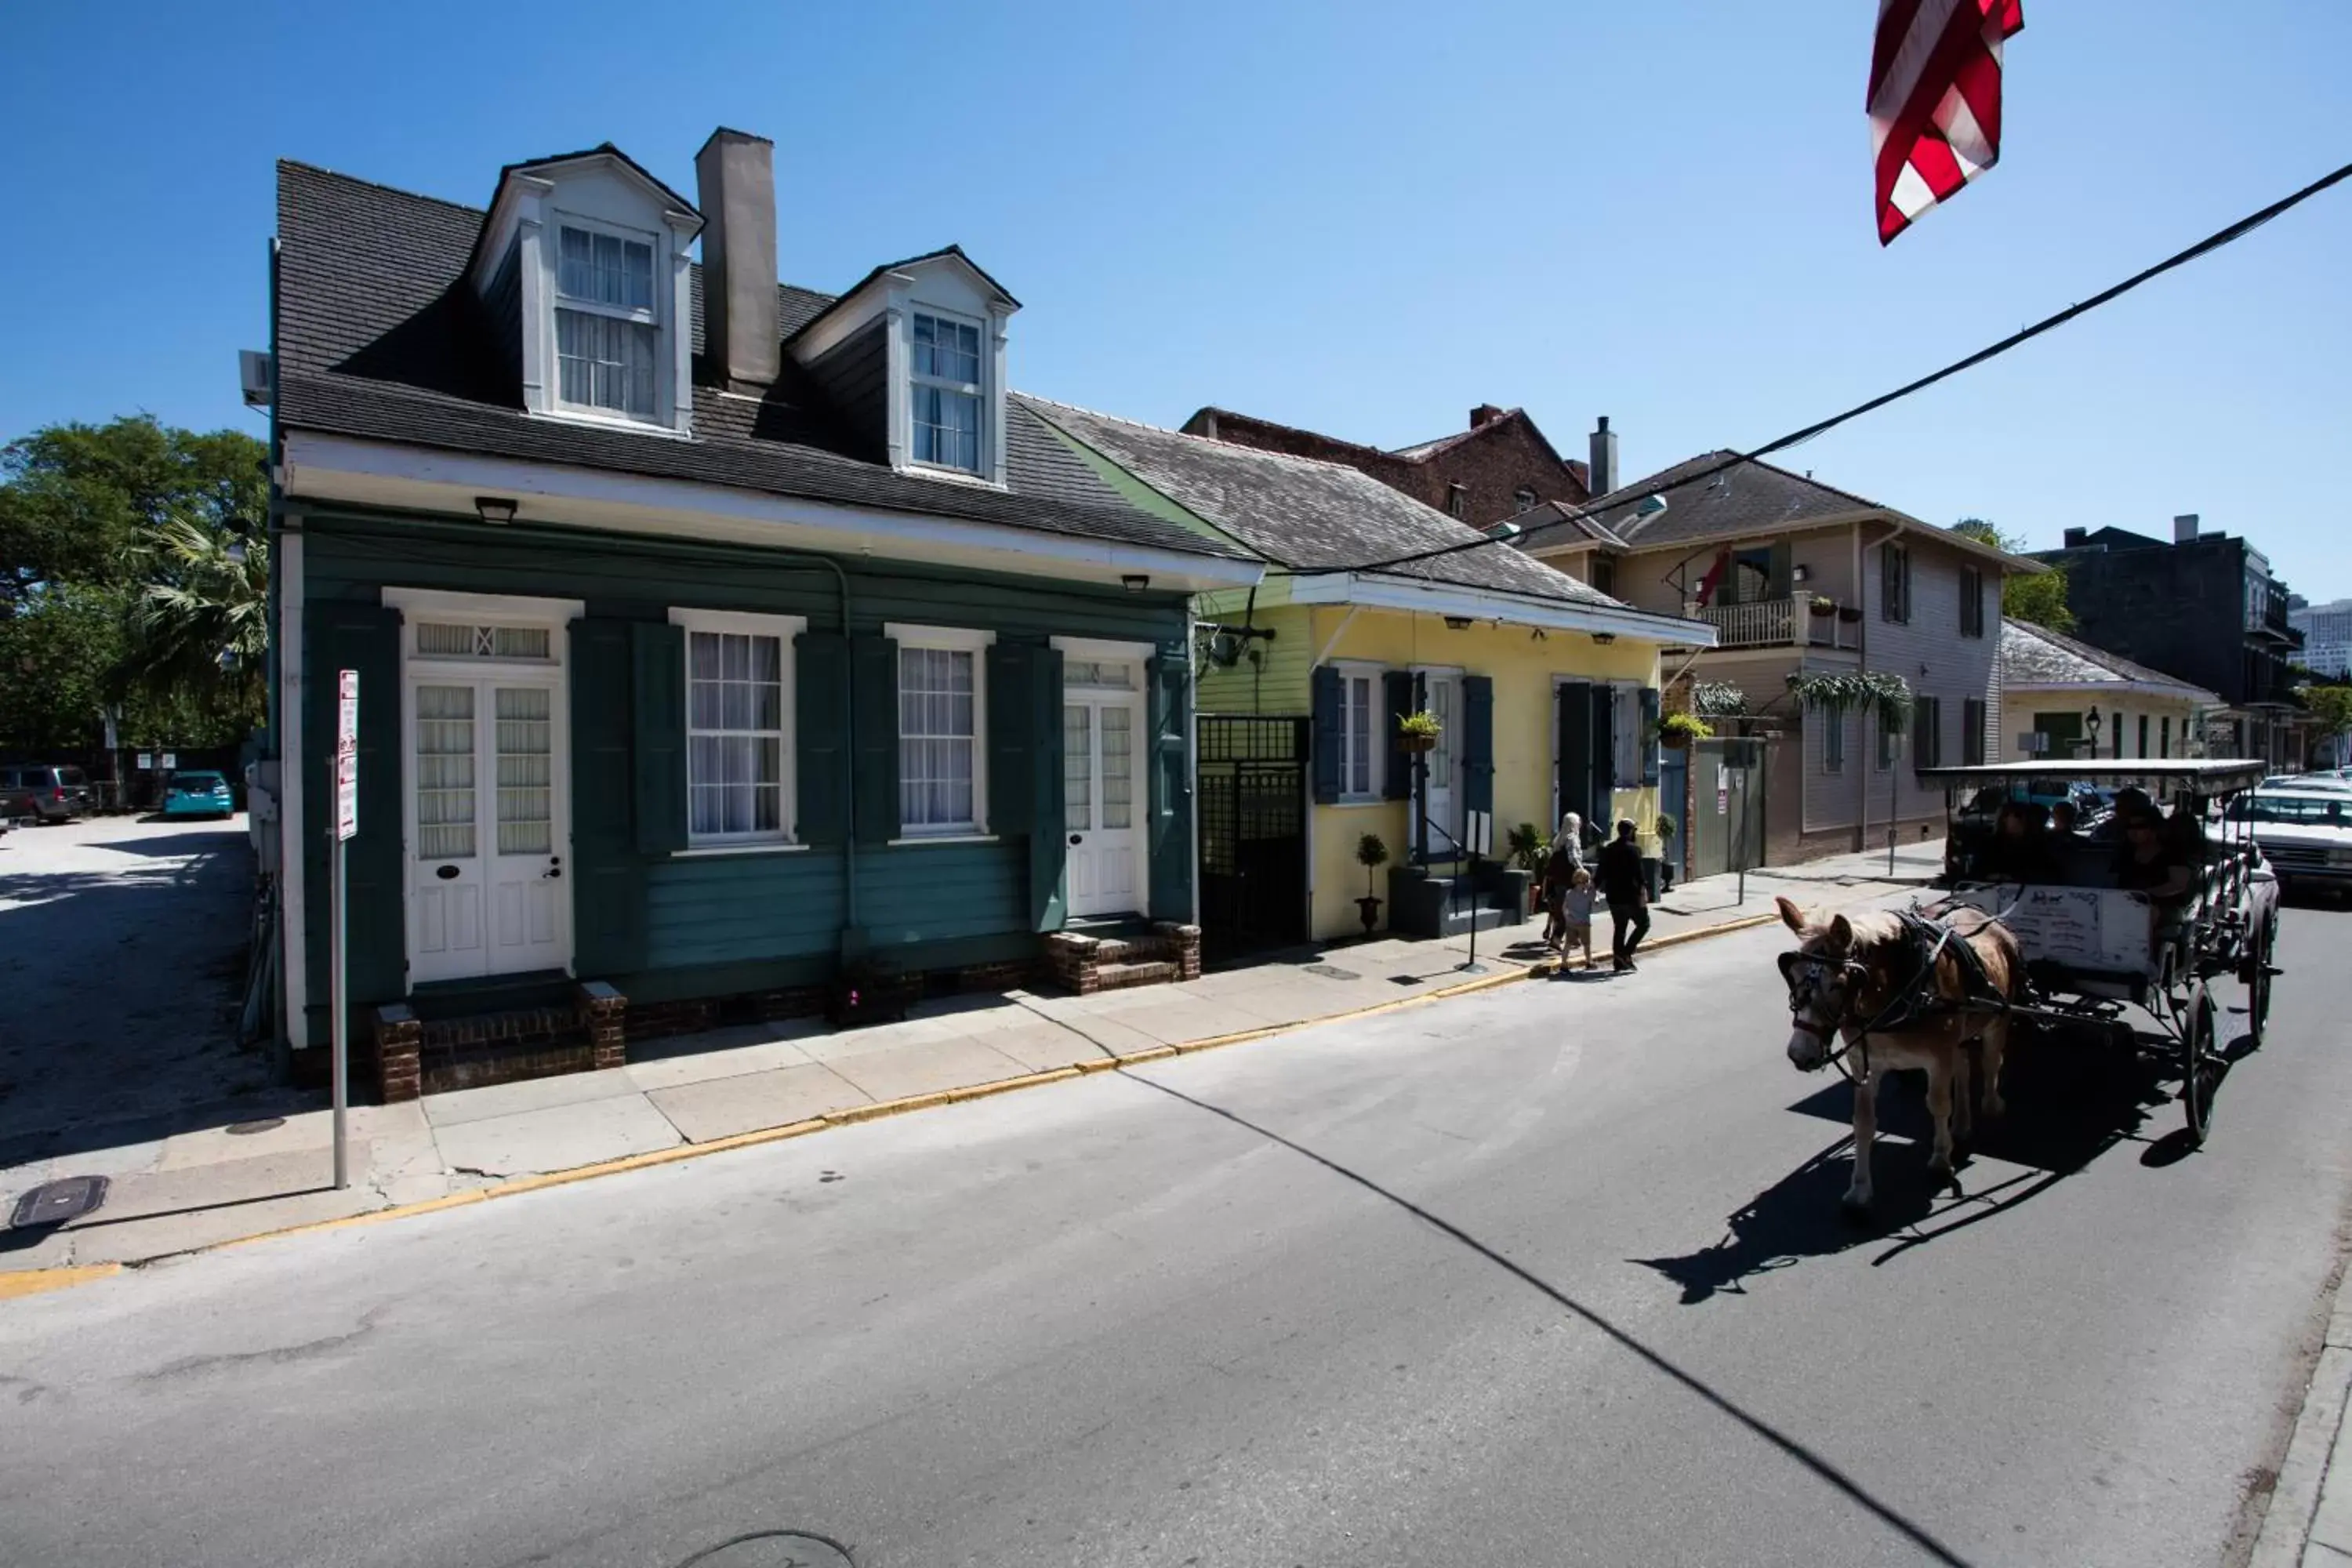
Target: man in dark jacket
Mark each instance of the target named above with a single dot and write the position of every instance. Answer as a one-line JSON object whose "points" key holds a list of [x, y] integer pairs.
{"points": [[1619, 871]]}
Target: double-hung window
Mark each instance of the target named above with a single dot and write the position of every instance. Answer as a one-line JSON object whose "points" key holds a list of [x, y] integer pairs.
{"points": [[607, 340], [1362, 749], [942, 731], [1895, 581], [738, 727], [946, 387]]}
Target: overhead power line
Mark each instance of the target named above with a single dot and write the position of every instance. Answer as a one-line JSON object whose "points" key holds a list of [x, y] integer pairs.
{"points": [[2210, 243]]}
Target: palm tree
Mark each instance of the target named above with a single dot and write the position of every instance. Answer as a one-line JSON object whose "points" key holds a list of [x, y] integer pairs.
{"points": [[199, 628]]}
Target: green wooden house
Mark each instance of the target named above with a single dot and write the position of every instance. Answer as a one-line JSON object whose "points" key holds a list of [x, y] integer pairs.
{"points": [[713, 637]]}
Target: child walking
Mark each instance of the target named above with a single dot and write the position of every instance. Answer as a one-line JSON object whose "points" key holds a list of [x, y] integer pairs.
{"points": [[1576, 916]]}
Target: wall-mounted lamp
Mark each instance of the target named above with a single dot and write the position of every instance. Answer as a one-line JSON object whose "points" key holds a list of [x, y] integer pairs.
{"points": [[1604, 638], [1457, 623], [1800, 573], [1135, 581], [495, 510]]}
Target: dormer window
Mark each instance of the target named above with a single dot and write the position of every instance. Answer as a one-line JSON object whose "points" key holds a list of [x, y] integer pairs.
{"points": [[607, 342], [946, 383]]}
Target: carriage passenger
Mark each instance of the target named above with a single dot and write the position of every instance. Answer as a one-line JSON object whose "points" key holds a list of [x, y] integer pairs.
{"points": [[2019, 850]]}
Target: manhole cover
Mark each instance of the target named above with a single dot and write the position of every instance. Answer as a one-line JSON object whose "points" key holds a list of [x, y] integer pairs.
{"points": [[772, 1549], [54, 1202], [247, 1129], [1333, 972]]}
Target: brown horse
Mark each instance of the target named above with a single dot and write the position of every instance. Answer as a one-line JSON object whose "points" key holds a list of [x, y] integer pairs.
{"points": [[1854, 970]]}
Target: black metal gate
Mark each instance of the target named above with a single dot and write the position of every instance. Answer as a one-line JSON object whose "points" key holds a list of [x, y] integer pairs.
{"points": [[1252, 796]]}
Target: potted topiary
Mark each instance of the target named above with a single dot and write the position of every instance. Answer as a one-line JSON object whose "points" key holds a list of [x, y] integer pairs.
{"points": [[1677, 731], [1528, 848], [1371, 855], [1418, 731], [1666, 829]]}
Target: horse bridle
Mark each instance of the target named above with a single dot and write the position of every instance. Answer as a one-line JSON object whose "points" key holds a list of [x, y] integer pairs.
{"points": [[1803, 992]]}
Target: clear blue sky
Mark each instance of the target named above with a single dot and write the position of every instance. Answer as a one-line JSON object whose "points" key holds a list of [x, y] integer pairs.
{"points": [[1360, 218]]}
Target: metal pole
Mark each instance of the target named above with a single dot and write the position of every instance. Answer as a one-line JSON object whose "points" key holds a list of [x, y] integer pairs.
{"points": [[341, 1026], [1739, 830]]}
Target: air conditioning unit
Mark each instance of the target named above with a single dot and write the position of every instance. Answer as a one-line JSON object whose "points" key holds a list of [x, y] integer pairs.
{"points": [[253, 377]]}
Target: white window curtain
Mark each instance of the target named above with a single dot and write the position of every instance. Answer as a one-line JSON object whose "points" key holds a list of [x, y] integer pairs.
{"points": [[605, 343], [938, 738], [735, 742]]}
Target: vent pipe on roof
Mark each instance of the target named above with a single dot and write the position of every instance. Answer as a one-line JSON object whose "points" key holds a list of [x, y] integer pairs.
{"points": [[1604, 458], [2184, 528], [735, 179]]}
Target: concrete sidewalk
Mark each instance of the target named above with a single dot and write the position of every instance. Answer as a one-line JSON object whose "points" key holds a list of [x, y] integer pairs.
{"points": [[205, 1183], [2309, 1521]]}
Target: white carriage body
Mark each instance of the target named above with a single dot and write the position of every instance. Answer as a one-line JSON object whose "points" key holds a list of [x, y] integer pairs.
{"points": [[2092, 930]]}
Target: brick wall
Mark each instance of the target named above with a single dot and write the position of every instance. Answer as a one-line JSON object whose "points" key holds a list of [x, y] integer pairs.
{"points": [[1505, 455]]}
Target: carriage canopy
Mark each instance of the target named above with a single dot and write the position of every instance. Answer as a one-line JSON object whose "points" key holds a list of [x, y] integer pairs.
{"points": [[2200, 775]]}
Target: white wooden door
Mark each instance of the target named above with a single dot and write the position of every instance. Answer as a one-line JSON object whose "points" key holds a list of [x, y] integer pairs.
{"points": [[486, 828], [1102, 800], [1443, 693]]}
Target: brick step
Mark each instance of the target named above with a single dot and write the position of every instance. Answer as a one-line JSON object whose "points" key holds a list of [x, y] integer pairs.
{"points": [[501, 1048], [1120, 976], [1138, 950]]}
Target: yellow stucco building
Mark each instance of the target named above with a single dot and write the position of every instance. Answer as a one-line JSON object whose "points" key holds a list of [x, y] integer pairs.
{"points": [[1545, 690]]}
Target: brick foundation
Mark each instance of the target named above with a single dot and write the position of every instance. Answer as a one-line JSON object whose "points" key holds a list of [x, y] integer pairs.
{"points": [[604, 1016], [399, 1040], [657, 1020]]}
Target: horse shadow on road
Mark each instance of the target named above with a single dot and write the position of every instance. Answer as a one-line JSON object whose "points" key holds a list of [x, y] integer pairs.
{"points": [[2069, 1102]]}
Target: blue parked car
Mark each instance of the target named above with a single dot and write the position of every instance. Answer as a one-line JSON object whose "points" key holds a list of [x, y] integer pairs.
{"points": [[198, 793]]}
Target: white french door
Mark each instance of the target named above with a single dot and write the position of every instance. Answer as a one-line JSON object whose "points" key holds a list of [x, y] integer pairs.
{"points": [[1442, 694], [1103, 793], [486, 828]]}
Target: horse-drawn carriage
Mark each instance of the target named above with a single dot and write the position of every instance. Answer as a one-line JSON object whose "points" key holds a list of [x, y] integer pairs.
{"points": [[2058, 930]]}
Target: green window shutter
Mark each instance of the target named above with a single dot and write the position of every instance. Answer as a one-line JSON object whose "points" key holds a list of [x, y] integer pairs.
{"points": [[1330, 732], [1398, 689], [874, 697], [1650, 742], [1049, 849], [820, 731], [1574, 750], [1478, 744], [1011, 675], [608, 896], [657, 683], [1171, 789], [365, 639], [1780, 572]]}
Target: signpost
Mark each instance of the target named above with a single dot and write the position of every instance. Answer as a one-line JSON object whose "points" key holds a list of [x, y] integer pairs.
{"points": [[347, 822]]}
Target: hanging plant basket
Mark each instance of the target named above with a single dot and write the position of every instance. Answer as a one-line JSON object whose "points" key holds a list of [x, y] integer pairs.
{"points": [[1417, 743], [1849, 614], [1418, 731], [1824, 607]]}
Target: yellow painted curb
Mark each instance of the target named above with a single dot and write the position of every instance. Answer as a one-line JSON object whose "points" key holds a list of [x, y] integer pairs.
{"points": [[32, 1281]]}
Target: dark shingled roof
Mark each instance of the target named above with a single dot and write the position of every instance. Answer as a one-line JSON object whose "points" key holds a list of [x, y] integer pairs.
{"points": [[2035, 655], [379, 337], [1305, 512]]}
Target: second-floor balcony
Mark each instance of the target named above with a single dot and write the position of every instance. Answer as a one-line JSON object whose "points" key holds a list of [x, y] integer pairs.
{"points": [[1780, 623]]}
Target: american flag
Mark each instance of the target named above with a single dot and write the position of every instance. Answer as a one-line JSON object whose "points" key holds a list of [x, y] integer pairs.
{"points": [[1935, 100]]}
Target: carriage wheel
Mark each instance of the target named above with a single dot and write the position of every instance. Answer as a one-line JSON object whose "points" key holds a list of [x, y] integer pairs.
{"points": [[2258, 988], [2199, 1069]]}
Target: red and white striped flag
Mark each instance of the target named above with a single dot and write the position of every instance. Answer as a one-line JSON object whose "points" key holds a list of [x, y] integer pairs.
{"points": [[1935, 100]]}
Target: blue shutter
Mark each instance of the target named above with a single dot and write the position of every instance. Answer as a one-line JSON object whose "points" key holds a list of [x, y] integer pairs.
{"points": [[1013, 722], [874, 696], [608, 897], [1600, 790], [1650, 742], [1573, 699], [1397, 700], [658, 680], [1478, 744], [820, 731], [1330, 733]]}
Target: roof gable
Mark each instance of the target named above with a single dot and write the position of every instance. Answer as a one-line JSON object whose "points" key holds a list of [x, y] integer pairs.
{"points": [[2034, 657]]}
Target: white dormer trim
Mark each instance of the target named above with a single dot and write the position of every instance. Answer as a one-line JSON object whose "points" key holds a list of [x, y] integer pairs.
{"points": [[524, 219]]}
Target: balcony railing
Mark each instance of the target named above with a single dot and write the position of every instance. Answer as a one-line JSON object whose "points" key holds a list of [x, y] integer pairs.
{"points": [[1779, 623]]}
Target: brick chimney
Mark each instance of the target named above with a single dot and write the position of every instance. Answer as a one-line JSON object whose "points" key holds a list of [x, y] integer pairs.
{"points": [[2184, 528], [2077, 537], [735, 180], [1604, 449], [1485, 414]]}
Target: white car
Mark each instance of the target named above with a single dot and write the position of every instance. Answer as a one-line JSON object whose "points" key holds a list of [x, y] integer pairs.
{"points": [[2304, 832]]}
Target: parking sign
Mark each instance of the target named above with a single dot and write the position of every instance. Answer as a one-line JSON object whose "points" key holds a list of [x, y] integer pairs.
{"points": [[347, 756]]}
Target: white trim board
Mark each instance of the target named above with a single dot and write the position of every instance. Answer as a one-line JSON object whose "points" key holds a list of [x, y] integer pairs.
{"points": [[487, 608], [381, 474], [1485, 604], [1108, 650]]}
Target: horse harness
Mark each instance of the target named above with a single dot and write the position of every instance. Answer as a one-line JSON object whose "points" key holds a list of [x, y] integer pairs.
{"points": [[1914, 1001]]}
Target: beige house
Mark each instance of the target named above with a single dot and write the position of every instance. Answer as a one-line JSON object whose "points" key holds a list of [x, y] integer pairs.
{"points": [[1798, 575], [2065, 698]]}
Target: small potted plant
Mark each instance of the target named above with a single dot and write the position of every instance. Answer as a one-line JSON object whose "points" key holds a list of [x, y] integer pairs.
{"points": [[1667, 828], [1678, 731], [1821, 605], [1371, 855], [1418, 731]]}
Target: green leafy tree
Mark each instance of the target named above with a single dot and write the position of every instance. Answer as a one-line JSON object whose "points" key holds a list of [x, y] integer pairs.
{"points": [[2331, 705], [2039, 599]]}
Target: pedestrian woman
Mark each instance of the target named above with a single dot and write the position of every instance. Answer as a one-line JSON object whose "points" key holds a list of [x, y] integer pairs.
{"points": [[1560, 872]]}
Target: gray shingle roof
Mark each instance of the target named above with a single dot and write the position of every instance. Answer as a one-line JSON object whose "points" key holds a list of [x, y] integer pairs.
{"points": [[379, 337], [2035, 655], [1305, 512]]}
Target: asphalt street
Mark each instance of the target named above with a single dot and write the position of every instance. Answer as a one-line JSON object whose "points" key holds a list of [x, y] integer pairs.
{"points": [[1550, 1275]]}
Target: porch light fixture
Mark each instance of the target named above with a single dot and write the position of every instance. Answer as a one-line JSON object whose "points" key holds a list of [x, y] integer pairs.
{"points": [[1800, 573], [1604, 638], [1135, 581], [494, 509], [2092, 724], [1457, 623]]}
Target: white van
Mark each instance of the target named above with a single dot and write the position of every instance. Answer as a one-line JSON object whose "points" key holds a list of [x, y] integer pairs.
{"points": [[2305, 833]]}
